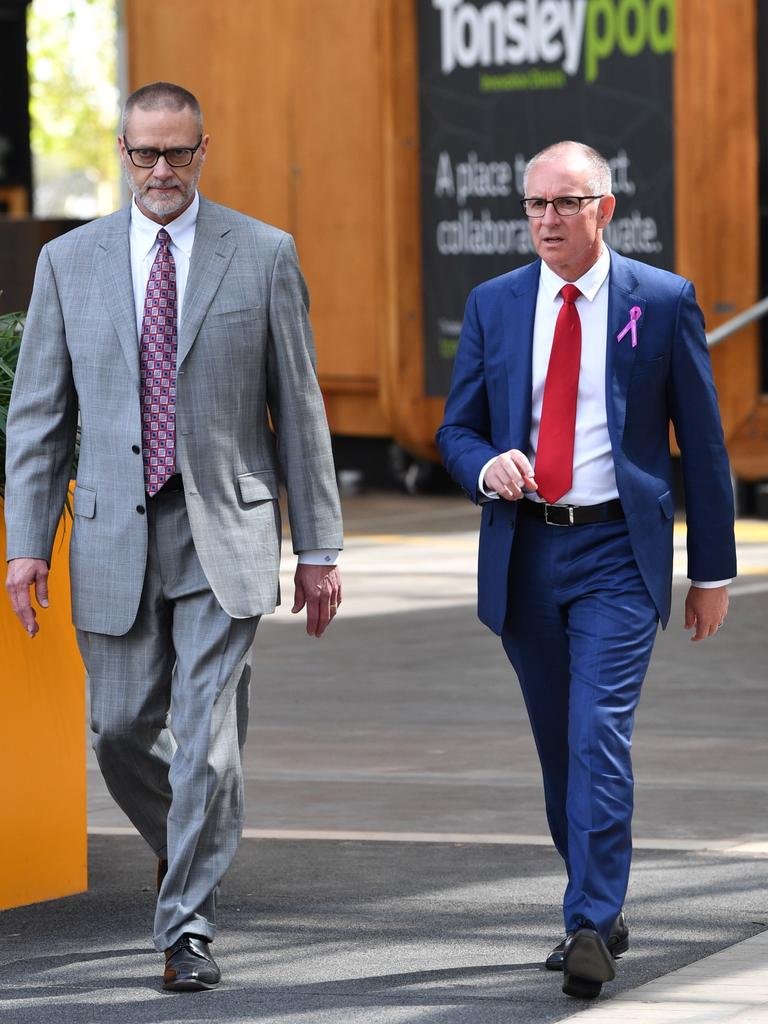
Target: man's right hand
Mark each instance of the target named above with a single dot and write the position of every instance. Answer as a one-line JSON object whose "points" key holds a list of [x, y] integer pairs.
{"points": [[510, 475], [22, 574]]}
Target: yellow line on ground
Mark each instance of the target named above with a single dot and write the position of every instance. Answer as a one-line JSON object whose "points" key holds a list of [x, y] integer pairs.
{"points": [[418, 539], [748, 531], [757, 846]]}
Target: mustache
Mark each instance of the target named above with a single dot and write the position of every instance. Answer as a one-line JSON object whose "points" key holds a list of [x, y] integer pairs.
{"points": [[156, 183]]}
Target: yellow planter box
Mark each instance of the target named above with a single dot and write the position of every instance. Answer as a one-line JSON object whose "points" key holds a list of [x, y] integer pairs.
{"points": [[42, 736]]}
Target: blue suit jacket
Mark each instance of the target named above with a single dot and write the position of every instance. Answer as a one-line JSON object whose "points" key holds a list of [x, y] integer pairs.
{"points": [[666, 378]]}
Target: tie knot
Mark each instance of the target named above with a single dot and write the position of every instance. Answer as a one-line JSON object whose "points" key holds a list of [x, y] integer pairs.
{"points": [[164, 238], [570, 292]]}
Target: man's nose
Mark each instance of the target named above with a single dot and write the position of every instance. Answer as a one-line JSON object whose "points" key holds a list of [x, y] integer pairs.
{"points": [[551, 215], [163, 169]]}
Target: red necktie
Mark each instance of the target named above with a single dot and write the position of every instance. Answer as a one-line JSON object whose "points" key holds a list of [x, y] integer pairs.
{"points": [[157, 360], [554, 452]]}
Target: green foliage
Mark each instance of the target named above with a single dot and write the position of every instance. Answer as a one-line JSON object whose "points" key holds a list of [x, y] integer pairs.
{"points": [[11, 326], [11, 329], [74, 100]]}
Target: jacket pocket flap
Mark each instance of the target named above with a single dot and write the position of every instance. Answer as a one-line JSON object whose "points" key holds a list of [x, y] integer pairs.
{"points": [[84, 502], [236, 316], [261, 486], [667, 503]]}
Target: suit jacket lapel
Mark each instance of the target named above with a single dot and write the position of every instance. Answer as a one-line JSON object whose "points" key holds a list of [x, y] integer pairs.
{"points": [[113, 267], [623, 294], [519, 310], [211, 255]]}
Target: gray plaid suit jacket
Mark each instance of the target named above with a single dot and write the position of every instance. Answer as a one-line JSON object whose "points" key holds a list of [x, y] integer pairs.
{"points": [[245, 355]]}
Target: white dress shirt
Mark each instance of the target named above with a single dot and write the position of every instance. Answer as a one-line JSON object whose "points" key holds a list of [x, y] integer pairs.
{"points": [[144, 246], [594, 478]]}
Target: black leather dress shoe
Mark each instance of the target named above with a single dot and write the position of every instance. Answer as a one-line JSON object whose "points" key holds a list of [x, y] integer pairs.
{"points": [[189, 966], [618, 943], [162, 871], [586, 963]]}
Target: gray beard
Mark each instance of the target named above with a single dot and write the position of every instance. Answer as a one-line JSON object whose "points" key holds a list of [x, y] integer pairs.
{"points": [[158, 205]]}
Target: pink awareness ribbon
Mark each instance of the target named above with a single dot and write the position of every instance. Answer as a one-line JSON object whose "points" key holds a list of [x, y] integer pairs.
{"points": [[634, 315]]}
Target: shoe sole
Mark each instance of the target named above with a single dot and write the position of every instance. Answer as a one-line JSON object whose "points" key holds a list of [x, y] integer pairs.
{"points": [[616, 950], [189, 986], [588, 958], [581, 988]]}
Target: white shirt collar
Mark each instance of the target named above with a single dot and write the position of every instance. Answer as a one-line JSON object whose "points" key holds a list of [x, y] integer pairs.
{"points": [[589, 284], [181, 229]]}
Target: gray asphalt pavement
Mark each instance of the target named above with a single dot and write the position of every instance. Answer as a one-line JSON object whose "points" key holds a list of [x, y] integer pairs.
{"points": [[333, 931], [405, 725]]}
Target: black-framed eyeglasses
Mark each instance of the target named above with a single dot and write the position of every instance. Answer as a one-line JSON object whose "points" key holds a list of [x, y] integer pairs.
{"points": [[565, 206], [178, 156]]}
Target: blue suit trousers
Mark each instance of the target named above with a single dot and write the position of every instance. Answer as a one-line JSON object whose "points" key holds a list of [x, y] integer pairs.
{"points": [[579, 633]]}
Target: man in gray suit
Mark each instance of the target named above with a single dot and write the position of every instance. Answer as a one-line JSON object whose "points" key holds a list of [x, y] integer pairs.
{"points": [[177, 331]]}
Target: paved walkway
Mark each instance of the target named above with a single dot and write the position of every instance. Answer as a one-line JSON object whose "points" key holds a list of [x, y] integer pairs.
{"points": [[396, 865], [731, 986]]}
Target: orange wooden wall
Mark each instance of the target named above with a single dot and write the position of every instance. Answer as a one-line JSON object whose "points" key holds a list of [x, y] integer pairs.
{"points": [[717, 190], [42, 736], [291, 92], [313, 110]]}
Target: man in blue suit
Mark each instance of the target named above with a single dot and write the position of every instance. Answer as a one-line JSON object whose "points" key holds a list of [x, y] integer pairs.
{"points": [[568, 374]]}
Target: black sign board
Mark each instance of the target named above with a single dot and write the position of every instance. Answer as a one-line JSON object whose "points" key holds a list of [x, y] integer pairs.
{"points": [[498, 82]]}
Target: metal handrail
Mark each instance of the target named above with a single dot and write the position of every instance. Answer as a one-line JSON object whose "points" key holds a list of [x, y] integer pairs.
{"points": [[759, 309]]}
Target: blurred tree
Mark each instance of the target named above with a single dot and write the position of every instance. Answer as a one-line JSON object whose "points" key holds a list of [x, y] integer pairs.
{"points": [[74, 106]]}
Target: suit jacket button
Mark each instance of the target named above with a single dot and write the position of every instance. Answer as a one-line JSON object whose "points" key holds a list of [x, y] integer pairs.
{"points": [[140, 509], [135, 449]]}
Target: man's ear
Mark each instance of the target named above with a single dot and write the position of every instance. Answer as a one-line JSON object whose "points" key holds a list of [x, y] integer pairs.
{"points": [[605, 210]]}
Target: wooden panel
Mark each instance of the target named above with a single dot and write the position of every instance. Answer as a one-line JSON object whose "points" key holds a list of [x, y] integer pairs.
{"points": [[749, 447], [355, 415], [338, 169], [236, 58], [413, 416], [716, 196], [14, 201], [42, 734], [290, 91]]}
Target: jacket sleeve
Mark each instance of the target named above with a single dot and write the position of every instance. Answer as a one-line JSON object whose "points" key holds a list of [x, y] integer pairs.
{"points": [[699, 433], [41, 427], [464, 436], [297, 410]]}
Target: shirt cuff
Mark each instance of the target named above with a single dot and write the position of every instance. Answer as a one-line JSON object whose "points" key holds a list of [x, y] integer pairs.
{"points": [[481, 478], [711, 584], [319, 556]]}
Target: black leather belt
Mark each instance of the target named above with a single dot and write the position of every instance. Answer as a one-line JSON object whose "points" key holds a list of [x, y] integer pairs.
{"points": [[573, 515], [173, 483]]}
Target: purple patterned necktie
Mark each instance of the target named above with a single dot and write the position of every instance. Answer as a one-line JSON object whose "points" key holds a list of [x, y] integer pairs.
{"points": [[157, 358]]}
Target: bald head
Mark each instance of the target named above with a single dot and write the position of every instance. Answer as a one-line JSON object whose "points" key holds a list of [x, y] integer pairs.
{"points": [[598, 169]]}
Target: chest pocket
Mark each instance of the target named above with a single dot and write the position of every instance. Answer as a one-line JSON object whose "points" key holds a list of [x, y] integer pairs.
{"points": [[233, 317]]}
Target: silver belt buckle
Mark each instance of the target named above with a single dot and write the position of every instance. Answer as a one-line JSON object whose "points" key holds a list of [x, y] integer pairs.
{"points": [[551, 522]]}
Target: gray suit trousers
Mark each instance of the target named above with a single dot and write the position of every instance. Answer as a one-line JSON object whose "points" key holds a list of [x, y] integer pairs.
{"points": [[169, 713]]}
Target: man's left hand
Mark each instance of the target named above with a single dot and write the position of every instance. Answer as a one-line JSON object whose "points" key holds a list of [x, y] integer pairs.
{"points": [[319, 588], [705, 610]]}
